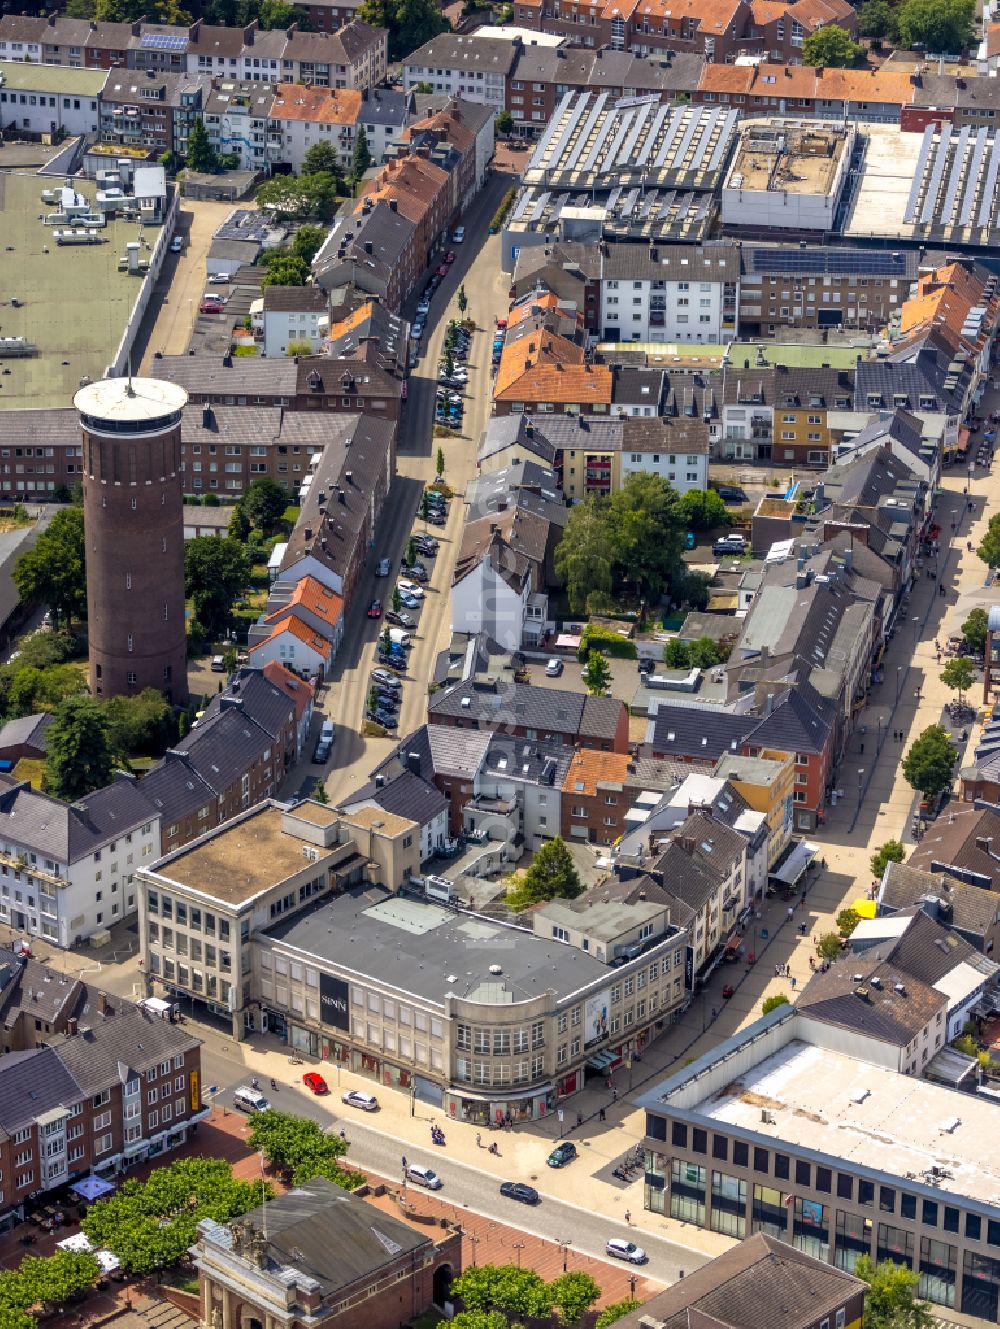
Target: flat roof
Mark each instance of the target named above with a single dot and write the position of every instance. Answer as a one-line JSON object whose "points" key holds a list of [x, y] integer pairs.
{"points": [[243, 858], [865, 1114], [789, 160], [74, 303], [133, 400], [430, 951], [24, 77]]}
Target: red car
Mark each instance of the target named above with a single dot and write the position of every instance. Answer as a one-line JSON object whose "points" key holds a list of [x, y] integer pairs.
{"points": [[211, 307], [450, 256], [727, 991], [501, 325], [316, 1083], [375, 609], [443, 270]]}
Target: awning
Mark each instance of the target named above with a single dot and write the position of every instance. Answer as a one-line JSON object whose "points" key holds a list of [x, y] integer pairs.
{"points": [[733, 944], [567, 641], [864, 908], [92, 1187], [602, 1061], [79, 1241], [793, 863]]}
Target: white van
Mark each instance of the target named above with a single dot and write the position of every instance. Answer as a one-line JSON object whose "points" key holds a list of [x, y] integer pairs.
{"points": [[327, 732], [399, 637], [249, 1100]]}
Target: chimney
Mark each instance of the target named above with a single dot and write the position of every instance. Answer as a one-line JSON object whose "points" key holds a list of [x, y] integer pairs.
{"points": [[71, 1025], [308, 532], [394, 205], [207, 417], [102, 1004], [984, 843]]}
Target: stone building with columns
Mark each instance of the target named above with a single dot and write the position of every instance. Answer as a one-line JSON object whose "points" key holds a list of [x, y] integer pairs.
{"points": [[322, 1256]]}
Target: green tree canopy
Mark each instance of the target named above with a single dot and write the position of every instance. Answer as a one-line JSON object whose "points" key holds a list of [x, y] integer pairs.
{"points": [[847, 920], [876, 19], [216, 572], [989, 546], [930, 762], [361, 158], [307, 196], [151, 1224], [892, 1301], [772, 1003], [940, 26], [552, 875], [264, 503], [583, 555], [33, 689], [79, 757], [615, 1311], [704, 653], [287, 270], [504, 122], [891, 852], [309, 238], [142, 725], [830, 47], [410, 23], [572, 1294], [975, 629], [647, 529], [829, 946], [54, 571], [201, 156], [959, 674], [298, 1145], [597, 674], [704, 509], [321, 157], [504, 1287], [274, 14], [677, 654]]}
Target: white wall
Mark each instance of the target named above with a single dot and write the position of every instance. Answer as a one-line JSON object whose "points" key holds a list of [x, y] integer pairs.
{"points": [[290, 652], [684, 470], [281, 327], [691, 311], [482, 602], [458, 83]]}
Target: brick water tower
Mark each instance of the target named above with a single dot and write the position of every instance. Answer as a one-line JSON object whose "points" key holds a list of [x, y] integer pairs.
{"points": [[133, 515]]}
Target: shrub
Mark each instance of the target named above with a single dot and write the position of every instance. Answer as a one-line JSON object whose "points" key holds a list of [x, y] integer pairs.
{"points": [[506, 203], [607, 642]]}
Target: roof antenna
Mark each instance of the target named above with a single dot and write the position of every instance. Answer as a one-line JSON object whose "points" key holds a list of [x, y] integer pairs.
{"points": [[129, 390]]}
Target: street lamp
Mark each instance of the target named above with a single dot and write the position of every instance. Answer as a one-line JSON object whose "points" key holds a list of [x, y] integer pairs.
{"points": [[564, 1247], [631, 1285], [519, 1247], [899, 679], [475, 1242]]}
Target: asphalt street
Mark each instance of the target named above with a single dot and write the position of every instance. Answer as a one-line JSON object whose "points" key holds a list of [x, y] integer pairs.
{"points": [[373, 1150]]}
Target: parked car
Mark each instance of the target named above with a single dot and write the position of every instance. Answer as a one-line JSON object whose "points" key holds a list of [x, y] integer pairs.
{"points": [[730, 544], [423, 1176], [450, 256], [520, 1191], [211, 307], [176, 244], [386, 680], [417, 329], [375, 609], [626, 1250], [384, 718], [437, 517], [411, 588], [356, 1099], [399, 620], [443, 270], [426, 545], [322, 753], [410, 601], [458, 235], [423, 305], [219, 279], [383, 568], [315, 1083], [553, 669], [562, 1154]]}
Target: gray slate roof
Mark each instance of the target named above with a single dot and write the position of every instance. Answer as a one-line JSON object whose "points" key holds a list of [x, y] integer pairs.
{"points": [[125, 1036], [408, 795], [704, 732], [34, 1082]]}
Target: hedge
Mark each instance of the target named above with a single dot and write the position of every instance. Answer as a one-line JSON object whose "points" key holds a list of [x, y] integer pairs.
{"points": [[609, 643], [506, 203]]}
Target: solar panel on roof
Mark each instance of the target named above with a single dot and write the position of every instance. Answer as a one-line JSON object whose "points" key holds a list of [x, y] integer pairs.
{"points": [[972, 178], [918, 176], [937, 173], [686, 138], [955, 174], [676, 121], [163, 41], [586, 131], [605, 129], [610, 162], [654, 129], [724, 139], [986, 201]]}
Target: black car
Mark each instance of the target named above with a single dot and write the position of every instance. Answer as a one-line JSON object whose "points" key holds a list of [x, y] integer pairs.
{"points": [[384, 718], [385, 700], [396, 662], [562, 1154], [426, 545], [436, 517], [518, 1190]]}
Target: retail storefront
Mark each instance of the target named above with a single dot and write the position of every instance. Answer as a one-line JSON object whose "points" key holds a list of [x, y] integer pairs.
{"points": [[495, 1111]]}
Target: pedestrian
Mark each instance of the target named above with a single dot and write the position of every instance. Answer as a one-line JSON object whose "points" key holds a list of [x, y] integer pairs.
{"points": [[713, 1012], [404, 1162], [614, 1095], [793, 982], [479, 1140], [602, 1115], [791, 912], [628, 1216], [862, 746]]}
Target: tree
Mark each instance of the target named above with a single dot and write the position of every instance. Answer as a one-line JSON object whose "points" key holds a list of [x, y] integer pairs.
{"points": [[975, 630], [298, 348], [319, 794], [32, 689], [552, 875], [201, 156], [54, 571], [676, 654], [423, 87], [646, 528], [572, 1294], [361, 158], [151, 1224], [491, 1287], [891, 852], [892, 1302], [410, 556], [704, 509], [410, 24], [462, 300], [959, 674], [321, 157], [583, 555], [216, 572], [690, 589], [597, 674], [704, 653], [297, 1145], [615, 1311], [937, 25], [264, 503], [830, 946], [989, 547], [847, 920], [308, 238], [876, 19], [240, 524], [140, 725], [277, 14], [397, 600], [929, 764], [504, 123], [830, 47], [78, 756], [310, 196], [288, 270], [772, 1003]]}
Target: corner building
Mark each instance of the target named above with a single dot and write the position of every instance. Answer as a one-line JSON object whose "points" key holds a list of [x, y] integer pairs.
{"points": [[134, 523]]}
